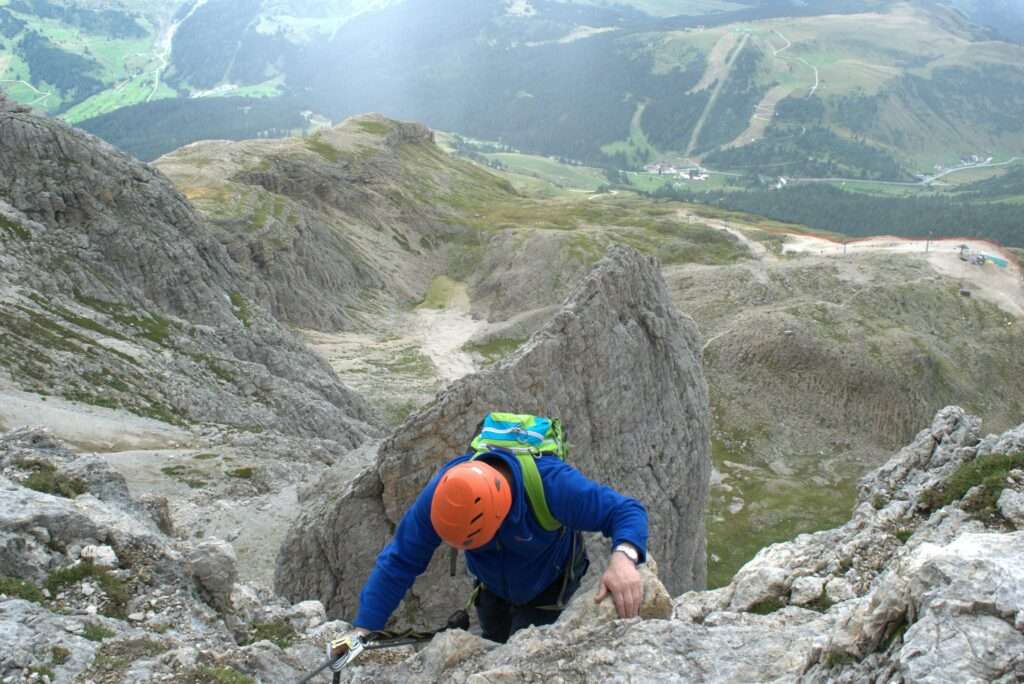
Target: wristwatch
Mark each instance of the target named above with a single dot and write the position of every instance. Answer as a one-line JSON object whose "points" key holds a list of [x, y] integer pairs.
{"points": [[629, 551]]}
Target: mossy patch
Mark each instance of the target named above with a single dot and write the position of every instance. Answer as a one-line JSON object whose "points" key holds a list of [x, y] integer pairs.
{"points": [[9, 228], [20, 589], [317, 144], [60, 655], [195, 479], [374, 127], [114, 658], [97, 632], [40, 673], [279, 632], [71, 317], [409, 361], [767, 606], [988, 472], [443, 293], [115, 589], [148, 325], [47, 480], [216, 367], [496, 349], [241, 308], [395, 413], [835, 659], [244, 473]]}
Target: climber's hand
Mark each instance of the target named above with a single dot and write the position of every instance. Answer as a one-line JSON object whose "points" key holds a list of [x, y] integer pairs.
{"points": [[622, 581]]}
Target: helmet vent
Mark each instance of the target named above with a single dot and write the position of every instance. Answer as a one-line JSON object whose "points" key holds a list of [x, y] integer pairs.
{"points": [[478, 516], [477, 500]]}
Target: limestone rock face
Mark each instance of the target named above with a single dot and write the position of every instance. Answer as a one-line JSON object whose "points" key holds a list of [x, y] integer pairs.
{"points": [[132, 613], [655, 604], [900, 594], [115, 291], [617, 364], [344, 228]]}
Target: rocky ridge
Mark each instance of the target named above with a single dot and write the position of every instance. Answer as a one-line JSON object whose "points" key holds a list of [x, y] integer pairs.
{"points": [[621, 368], [340, 227], [106, 596], [114, 292], [92, 588], [909, 590]]}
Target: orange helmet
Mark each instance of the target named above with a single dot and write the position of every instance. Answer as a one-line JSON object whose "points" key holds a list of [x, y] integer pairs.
{"points": [[469, 505]]}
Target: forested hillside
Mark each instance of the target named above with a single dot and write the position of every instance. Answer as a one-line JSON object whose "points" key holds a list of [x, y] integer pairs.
{"points": [[829, 208], [858, 89]]}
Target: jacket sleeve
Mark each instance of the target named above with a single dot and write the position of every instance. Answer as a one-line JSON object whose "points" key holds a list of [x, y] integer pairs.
{"points": [[582, 504], [403, 560]]}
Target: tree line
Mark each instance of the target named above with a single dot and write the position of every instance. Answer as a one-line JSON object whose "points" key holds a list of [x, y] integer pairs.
{"points": [[827, 207]]}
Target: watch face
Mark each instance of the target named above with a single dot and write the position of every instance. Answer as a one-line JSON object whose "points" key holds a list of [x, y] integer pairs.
{"points": [[630, 552]]}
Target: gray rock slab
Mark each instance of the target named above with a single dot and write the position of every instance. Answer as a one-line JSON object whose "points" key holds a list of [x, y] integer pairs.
{"points": [[618, 364]]}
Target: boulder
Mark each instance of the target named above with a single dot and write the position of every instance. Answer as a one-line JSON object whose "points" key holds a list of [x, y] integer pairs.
{"points": [[35, 527], [655, 604], [100, 556], [99, 478], [213, 565], [618, 364], [306, 615], [1011, 506], [969, 591]]}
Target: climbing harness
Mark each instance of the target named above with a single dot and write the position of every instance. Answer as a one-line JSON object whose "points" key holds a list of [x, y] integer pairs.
{"points": [[341, 652]]}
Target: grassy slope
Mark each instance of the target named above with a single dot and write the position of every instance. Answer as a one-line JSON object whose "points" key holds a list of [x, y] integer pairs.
{"points": [[126, 66], [876, 345], [867, 55]]}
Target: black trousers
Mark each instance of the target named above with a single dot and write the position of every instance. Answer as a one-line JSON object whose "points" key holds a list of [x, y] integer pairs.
{"points": [[500, 619]]}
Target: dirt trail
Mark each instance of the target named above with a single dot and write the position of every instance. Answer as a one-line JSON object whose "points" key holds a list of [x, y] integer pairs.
{"points": [[442, 335], [410, 358], [90, 428], [764, 114]]}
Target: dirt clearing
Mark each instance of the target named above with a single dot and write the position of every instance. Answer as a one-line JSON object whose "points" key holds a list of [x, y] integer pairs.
{"points": [[1003, 287]]}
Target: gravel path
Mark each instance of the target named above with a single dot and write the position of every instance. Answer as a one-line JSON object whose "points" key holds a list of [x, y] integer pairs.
{"points": [[90, 428]]}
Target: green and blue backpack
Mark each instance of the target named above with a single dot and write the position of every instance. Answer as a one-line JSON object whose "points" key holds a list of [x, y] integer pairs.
{"points": [[527, 438]]}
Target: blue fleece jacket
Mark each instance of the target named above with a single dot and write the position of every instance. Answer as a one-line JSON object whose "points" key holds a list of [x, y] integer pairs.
{"points": [[523, 558]]}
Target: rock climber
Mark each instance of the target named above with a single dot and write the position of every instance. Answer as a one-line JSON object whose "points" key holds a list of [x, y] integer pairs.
{"points": [[525, 571]]}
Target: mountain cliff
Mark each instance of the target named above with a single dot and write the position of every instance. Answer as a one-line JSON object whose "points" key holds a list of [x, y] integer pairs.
{"points": [[115, 293], [617, 364], [122, 303]]}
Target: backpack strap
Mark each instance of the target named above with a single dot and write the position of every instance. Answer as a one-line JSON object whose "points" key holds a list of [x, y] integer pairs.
{"points": [[535, 493]]}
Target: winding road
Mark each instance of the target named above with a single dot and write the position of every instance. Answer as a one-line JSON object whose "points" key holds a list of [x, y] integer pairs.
{"points": [[166, 44], [778, 51], [42, 96]]}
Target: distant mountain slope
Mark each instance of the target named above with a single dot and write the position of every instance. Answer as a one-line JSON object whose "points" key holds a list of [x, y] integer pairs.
{"points": [[1004, 17], [854, 88]]}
